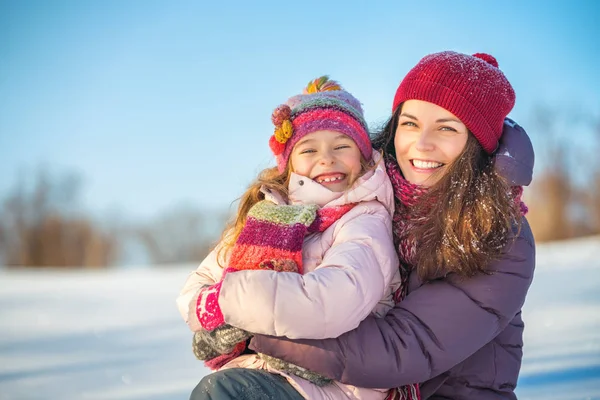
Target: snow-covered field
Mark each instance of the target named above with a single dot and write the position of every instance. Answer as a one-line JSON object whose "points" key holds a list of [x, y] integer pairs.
{"points": [[117, 334]]}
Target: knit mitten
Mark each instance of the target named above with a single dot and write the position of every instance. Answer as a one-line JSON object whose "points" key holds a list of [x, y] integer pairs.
{"points": [[222, 340], [220, 346], [208, 310], [272, 239], [290, 368], [202, 347]]}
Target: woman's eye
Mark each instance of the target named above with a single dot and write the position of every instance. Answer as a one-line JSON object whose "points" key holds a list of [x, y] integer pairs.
{"points": [[408, 123], [448, 129]]}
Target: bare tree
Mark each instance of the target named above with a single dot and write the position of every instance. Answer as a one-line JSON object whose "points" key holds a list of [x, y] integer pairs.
{"points": [[593, 199], [561, 207], [552, 191], [39, 226]]}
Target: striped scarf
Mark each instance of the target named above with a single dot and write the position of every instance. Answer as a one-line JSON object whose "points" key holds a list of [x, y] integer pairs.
{"points": [[273, 235]]}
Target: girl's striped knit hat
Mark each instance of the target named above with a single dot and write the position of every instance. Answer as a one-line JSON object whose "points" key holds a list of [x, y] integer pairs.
{"points": [[323, 105]]}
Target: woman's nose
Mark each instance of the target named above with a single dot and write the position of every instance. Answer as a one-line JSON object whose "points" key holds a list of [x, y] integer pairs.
{"points": [[425, 142]]}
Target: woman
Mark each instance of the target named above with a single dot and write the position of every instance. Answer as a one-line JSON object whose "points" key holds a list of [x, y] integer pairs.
{"points": [[470, 254]]}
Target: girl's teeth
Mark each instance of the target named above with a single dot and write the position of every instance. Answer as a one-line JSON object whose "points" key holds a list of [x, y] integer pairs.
{"points": [[330, 179], [426, 164]]}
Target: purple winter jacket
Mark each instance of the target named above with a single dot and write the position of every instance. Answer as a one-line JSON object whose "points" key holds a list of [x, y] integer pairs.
{"points": [[461, 338]]}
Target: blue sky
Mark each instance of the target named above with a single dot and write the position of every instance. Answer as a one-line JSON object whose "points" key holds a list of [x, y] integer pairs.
{"points": [[158, 103]]}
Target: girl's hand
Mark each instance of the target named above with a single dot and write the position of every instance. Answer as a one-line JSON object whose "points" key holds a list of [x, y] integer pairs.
{"points": [[202, 346], [279, 265], [223, 340], [208, 310]]}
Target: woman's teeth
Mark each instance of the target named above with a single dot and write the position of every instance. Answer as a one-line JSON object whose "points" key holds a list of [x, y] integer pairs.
{"points": [[426, 164]]}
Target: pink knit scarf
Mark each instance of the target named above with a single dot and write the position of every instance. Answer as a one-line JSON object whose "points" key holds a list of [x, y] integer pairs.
{"points": [[407, 195]]}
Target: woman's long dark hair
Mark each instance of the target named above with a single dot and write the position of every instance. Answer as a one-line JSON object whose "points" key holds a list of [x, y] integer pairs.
{"points": [[467, 216]]}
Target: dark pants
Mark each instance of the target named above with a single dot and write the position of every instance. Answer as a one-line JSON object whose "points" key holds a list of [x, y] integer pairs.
{"points": [[244, 384]]}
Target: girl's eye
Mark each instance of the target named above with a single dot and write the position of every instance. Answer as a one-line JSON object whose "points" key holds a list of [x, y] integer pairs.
{"points": [[344, 146], [306, 151]]}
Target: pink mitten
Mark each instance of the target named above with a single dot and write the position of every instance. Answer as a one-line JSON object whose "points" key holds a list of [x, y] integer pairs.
{"points": [[207, 306]]}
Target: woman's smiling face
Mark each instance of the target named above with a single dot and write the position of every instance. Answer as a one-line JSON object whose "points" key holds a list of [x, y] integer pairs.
{"points": [[427, 140]]}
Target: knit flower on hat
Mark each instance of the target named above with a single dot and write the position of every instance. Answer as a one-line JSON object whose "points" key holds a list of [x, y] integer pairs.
{"points": [[283, 128]]}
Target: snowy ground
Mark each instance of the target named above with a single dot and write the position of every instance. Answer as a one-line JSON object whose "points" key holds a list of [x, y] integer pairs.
{"points": [[117, 334]]}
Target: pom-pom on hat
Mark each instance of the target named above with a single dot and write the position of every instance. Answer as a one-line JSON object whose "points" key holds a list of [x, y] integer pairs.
{"points": [[323, 105], [470, 87]]}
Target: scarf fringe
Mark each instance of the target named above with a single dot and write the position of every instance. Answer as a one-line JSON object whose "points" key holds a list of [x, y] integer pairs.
{"points": [[407, 392]]}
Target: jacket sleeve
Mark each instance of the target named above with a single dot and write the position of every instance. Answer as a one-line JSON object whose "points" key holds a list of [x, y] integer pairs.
{"points": [[436, 327], [208, 273], [346, 286]]}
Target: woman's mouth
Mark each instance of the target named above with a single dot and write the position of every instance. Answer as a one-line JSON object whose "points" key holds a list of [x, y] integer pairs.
{"points": [[426, 165]]}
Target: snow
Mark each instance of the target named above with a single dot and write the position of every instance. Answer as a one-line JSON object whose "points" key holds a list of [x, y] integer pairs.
{"points": [[117, 334]]}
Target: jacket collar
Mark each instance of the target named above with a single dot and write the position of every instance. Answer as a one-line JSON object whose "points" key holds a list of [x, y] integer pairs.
{"points": [[373, 185], [303, 190]]}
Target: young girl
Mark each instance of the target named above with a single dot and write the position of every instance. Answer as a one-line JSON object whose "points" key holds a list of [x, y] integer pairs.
{"points": [[310, 254]]}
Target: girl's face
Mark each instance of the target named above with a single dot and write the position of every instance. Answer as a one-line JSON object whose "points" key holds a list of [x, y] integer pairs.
{"points": [[329, 158], [428, 139]]}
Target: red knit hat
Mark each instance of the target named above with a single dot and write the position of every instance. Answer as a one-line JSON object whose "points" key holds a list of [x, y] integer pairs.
{"points": [[470, 87]]}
